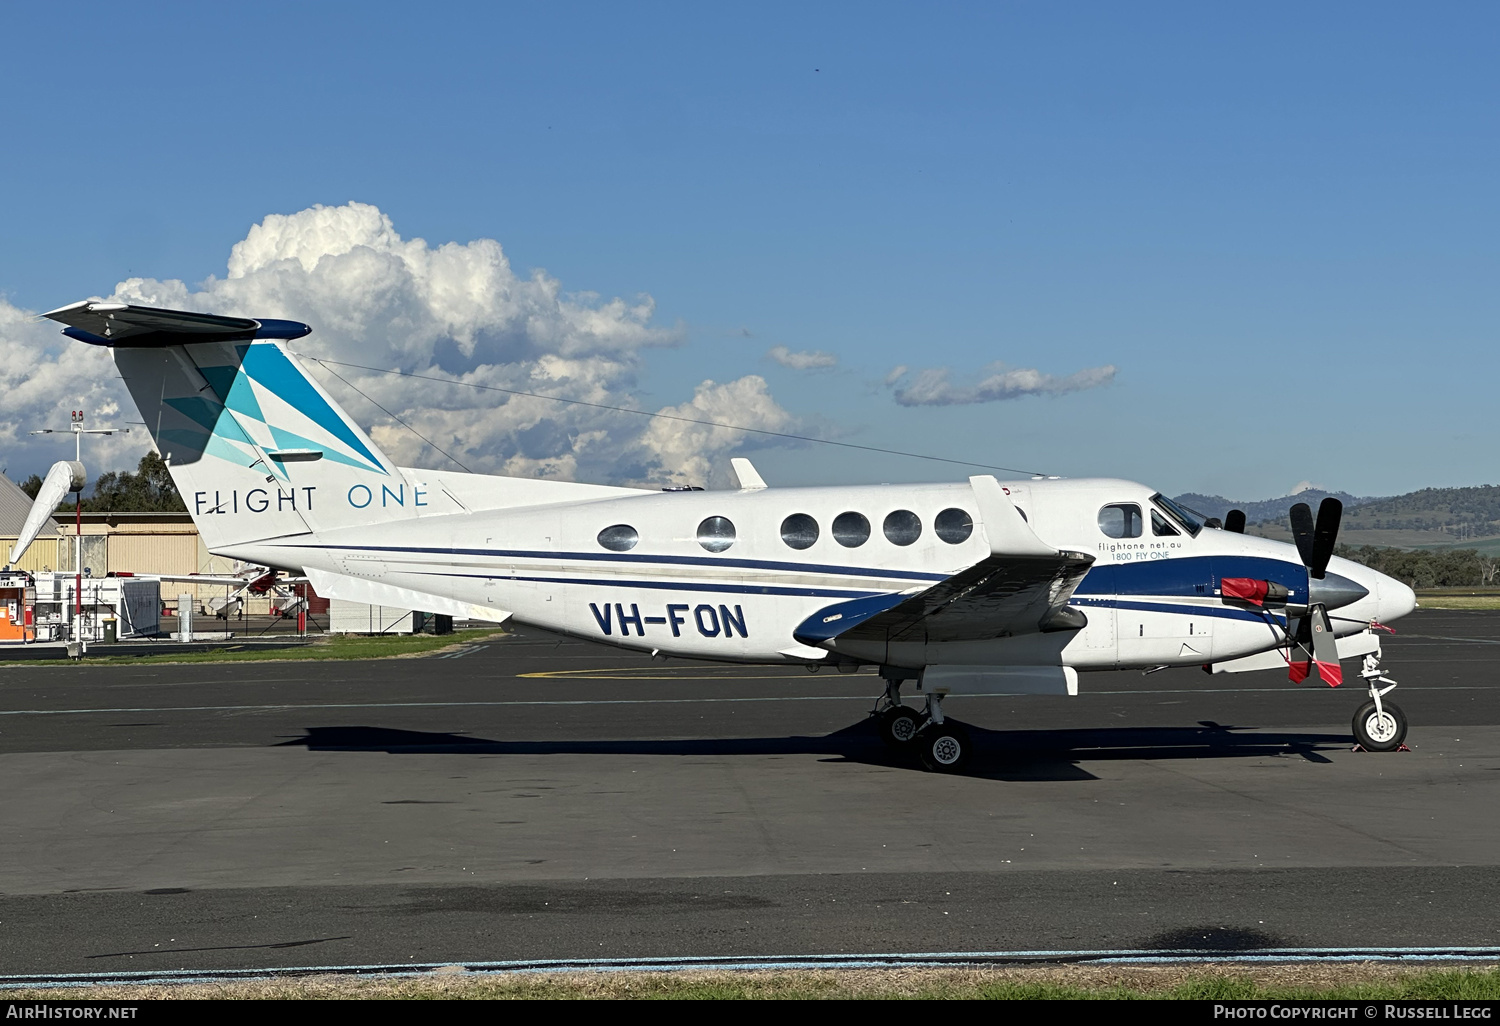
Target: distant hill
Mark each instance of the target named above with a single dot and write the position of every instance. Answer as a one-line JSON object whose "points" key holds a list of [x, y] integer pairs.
{"points": [[1433, 518], [1267, 509], [1476, 510]]}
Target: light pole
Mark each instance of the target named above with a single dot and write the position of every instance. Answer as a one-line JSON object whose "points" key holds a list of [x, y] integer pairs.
{"points": [[78, 432]]}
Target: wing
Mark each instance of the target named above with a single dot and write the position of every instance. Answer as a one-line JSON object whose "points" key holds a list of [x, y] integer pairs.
{"points": [[1022, 587]]}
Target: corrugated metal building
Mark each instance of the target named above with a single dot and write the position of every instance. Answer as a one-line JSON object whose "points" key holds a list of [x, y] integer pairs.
{"points": [[14, 505], [154, 543], [139, 543]]}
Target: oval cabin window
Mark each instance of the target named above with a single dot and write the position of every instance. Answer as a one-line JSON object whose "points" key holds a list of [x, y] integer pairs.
{"points": [[953, 526], [902, 527], [619, 538], [799, 531], [716, 534], [851, 530]]}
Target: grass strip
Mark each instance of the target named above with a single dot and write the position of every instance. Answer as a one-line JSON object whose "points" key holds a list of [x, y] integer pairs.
{"points": [[330, 646], [1355, 982], [1440, 600]]}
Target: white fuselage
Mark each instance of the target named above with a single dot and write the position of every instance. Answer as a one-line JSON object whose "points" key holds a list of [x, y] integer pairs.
{"points": [[1150, 598]]}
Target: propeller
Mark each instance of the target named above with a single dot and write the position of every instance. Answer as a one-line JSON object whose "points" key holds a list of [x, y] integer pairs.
{"points": [[1315, 541], [1310, 644]]}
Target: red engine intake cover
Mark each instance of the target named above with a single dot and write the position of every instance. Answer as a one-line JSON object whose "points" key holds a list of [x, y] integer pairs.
{"points": [[1252, 591]]}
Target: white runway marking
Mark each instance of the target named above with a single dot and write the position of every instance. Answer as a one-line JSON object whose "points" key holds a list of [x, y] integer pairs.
{"points": [[618, 701], [874, 960]]}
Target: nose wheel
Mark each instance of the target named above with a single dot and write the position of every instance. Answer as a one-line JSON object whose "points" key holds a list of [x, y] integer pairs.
{"points": [[1379, 726]]}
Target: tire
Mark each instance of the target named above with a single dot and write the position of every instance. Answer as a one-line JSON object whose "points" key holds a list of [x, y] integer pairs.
{"points": [[1383, 733], [944, 749], [898, 727]]}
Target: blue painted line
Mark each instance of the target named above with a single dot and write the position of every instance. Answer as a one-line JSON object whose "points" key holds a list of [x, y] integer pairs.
{"points": [[454, 705], [1189, 956], [1178, 608], [621, 557], [658, 701], [718, 589]]}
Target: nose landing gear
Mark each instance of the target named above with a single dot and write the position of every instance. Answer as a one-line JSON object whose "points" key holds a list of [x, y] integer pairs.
{"points": [[1379, 726]]}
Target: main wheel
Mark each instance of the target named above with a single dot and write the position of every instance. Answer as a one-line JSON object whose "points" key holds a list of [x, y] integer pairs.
{"points": [[945, 748], [1381, 731], [898, 726]]}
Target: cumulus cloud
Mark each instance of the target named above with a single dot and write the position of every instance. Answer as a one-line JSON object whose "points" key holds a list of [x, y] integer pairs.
{"points": [[43, 377], [994, 383], [455, 311], [689, 447], [807, 360]]}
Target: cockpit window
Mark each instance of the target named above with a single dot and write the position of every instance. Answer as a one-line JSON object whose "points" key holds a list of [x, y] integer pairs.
{"points": [[1161, 527], [1191, 522], [1120, 520]]}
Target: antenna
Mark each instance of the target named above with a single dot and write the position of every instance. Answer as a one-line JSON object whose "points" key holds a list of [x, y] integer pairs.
{"points": [[79, 431]]}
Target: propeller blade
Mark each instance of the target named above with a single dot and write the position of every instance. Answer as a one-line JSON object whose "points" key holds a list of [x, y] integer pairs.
{"points": [[1325, 648], [1234, 521], [1325, 536], [1299, 651], [1311, 647], [1303, 530]]}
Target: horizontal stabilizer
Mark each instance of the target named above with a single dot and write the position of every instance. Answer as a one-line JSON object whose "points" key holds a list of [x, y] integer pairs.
{"points": [[120, 324]]}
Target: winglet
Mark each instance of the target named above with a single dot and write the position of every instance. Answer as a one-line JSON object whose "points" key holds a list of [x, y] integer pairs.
{"points": [[1008, 533], [746, 474]]}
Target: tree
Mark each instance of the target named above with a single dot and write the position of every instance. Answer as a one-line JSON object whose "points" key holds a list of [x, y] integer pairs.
{"points": [[32, 485], [1421, 568], [1488, 568]]}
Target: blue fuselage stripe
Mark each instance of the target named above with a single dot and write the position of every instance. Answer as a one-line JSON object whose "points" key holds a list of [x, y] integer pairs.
{"points": [[621, 557], [728, 589], [1087, 602]]}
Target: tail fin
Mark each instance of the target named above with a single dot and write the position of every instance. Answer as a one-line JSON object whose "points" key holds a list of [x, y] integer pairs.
{"points": [[256, 446]]}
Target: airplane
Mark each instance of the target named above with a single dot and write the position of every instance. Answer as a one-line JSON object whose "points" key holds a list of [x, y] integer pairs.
{"points": [[979, 587]]}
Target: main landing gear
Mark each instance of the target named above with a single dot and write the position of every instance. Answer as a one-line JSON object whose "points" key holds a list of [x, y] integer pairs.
{"points": [[942, 745], [1379, 726]]}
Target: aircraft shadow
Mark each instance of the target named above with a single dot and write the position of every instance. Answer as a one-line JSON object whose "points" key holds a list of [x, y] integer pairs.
{"points": [[998, 754]]}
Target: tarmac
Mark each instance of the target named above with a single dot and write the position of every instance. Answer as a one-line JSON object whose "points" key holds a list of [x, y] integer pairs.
{"points": [[544, 798]]}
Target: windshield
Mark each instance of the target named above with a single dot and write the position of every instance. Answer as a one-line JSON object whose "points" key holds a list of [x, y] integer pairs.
{"points": [[1190, 521]]}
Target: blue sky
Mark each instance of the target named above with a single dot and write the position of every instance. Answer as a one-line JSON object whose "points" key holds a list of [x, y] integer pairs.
{"points": [[1278, 223]]}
